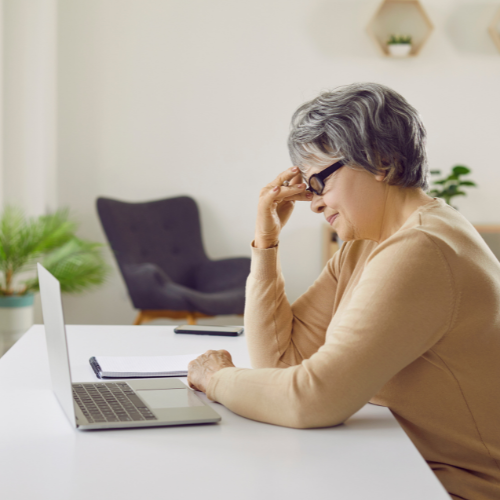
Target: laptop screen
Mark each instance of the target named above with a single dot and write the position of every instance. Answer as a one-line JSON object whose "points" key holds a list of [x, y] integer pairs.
{"points": [[55, 334]]}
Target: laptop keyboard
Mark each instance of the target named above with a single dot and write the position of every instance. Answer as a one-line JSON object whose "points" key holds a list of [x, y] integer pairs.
{"points": [[110, 402]]}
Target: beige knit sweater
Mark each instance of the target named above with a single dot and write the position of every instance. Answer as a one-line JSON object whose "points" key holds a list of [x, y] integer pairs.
{"points": [[412, 323]]}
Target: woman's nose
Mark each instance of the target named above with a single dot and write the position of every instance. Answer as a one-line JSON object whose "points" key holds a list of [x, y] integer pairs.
{"points": [[317, 204]]}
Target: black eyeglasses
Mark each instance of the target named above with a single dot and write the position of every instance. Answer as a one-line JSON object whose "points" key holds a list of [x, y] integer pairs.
{"points": [[317, 181]]}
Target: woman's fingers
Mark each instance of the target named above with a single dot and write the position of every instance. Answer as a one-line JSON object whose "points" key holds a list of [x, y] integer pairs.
{"points": [[227, 353], [279, 193], [192, 386], [297, 179], [292, 175], [276, 203], [285, 194], [201, 369], [305, 196], [271, 198], [275, 192]]}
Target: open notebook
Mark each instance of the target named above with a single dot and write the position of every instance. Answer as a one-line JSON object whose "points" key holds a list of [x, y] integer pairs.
{"points": [[141, 366]]}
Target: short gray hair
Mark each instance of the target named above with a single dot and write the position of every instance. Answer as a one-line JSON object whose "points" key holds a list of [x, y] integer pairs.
{"points": [[365, 124]]}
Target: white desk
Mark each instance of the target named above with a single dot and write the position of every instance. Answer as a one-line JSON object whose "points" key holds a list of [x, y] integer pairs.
{"points": [[43, 458]]}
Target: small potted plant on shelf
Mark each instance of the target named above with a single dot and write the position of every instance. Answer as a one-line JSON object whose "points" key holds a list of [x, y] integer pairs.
{"points": [[399, 45], [50, 240], [451, 186]]}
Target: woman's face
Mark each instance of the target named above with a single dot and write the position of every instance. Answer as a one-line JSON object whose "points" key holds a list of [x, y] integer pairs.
{"points": [[350, 202]]}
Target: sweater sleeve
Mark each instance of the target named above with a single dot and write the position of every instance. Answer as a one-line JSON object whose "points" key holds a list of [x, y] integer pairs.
{"points": [[403, 304], [279, 334]]}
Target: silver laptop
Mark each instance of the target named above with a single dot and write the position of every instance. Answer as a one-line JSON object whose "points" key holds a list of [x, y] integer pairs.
{"points": [[109, 405]]}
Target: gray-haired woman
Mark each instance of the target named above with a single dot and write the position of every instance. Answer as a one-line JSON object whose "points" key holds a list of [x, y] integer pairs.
{"points": [[407, 313]]}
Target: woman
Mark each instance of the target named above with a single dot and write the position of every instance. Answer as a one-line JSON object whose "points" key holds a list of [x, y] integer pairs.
{"points": [[406, 315]]}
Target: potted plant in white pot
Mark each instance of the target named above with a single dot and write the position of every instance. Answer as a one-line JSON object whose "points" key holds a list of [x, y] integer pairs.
{"points": [[399, 45], [50, 240]]}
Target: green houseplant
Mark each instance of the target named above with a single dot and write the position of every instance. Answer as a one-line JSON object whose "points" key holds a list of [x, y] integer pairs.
{"points": [[49, 239], [399, 45], [452, 185]]}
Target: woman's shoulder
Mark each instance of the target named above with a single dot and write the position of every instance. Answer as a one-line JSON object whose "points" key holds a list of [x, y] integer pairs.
{"points": [[446, 228], [435, 230], [439, 226]]}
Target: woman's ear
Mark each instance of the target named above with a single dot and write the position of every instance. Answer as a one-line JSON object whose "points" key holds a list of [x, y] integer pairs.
{"points": [[383, 167]]}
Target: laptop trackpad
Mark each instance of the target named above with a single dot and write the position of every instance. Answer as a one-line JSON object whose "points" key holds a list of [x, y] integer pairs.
{"points": [[170, 398]]}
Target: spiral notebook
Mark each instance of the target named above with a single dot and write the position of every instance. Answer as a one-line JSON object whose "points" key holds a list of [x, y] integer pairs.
{"points": [[141, 366]]}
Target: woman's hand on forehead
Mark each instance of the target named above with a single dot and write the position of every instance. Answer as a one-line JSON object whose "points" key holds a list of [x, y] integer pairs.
{"points": [[276, 203]]}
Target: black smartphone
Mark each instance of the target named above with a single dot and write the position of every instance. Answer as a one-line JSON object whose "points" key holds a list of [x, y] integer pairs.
{"points": [[226, 331]]}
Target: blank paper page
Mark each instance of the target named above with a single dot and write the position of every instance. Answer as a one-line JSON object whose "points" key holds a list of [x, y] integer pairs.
{"points": [[145, 364]]}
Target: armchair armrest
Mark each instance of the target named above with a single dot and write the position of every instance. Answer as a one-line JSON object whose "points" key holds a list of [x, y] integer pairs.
{"points": [[220, 275], [150, 287]]}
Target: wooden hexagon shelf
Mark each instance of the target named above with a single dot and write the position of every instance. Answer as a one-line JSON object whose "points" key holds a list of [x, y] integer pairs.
{"points": [[494, 29], [400, 17]]}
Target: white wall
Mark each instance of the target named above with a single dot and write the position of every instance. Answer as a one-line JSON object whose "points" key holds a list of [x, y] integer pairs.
{"points": [[29, 105], [159, 98]]}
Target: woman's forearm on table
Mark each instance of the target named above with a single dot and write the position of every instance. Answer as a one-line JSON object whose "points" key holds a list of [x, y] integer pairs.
{"points": [[382, 330]]}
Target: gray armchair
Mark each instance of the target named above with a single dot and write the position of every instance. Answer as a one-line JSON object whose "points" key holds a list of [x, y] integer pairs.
{"points": [[159, 251]]}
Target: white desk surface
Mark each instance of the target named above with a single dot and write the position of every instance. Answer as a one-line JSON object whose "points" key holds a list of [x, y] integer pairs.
{"points": [[43, 457]]}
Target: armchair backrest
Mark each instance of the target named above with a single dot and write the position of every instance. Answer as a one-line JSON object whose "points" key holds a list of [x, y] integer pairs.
{"points": [[162, 232]]}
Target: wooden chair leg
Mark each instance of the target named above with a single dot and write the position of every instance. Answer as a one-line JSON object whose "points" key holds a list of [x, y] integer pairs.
{"points": [[145, 315], [138, 319]]}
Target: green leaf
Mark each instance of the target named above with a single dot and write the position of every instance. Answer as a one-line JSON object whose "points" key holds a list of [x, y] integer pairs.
{"points": [[23, 239], [78, 265], [396, 39], [50, 239], [450, 185], [460, 170], [12, 223]]}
